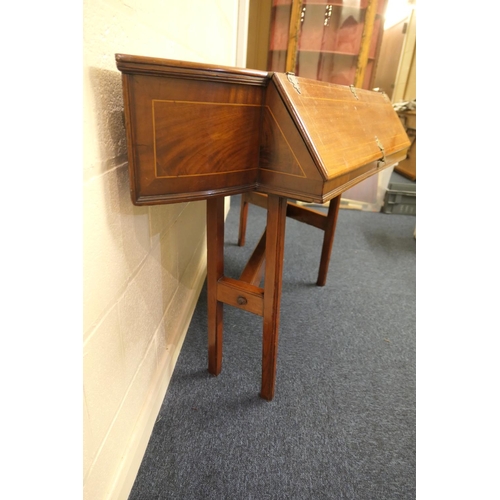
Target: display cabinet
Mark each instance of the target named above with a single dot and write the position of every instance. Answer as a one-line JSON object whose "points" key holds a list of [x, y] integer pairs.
{"points": [[333, 41]]}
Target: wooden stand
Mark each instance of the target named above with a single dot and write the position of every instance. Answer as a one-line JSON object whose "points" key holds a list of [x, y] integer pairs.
{"points": [[203, 132], [325, 222], [244, 293]]}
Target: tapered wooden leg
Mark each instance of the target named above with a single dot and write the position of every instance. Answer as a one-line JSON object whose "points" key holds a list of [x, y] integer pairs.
{"points": [[326, 251], [243, 220], [215, 271], [275, 245]]}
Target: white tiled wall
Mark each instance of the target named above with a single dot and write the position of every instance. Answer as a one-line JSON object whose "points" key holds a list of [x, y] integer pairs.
{"points": [[143, 266]]}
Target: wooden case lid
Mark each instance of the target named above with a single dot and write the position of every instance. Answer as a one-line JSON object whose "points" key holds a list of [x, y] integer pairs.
{"points": [[343, 127]]}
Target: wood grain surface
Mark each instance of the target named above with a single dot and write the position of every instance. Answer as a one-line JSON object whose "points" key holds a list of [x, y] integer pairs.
{"points": [[196, 131]]}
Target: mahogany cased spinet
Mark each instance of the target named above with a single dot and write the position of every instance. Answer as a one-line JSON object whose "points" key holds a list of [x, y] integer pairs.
{"points": [[202, 132]]}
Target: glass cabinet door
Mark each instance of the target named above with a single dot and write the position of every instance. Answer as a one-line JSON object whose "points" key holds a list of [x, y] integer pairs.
{"points": [[330, 39], [278, 38]]}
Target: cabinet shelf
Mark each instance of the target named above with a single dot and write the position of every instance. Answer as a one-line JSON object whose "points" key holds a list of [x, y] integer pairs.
{"points": [[312, 51], [333, 52]]}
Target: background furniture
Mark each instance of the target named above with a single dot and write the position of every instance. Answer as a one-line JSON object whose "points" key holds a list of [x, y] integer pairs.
{"points": [[334, 41], [408, 167]]}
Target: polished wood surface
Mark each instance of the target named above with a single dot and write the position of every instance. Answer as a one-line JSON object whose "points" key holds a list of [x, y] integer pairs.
{"points": [[215, 271], [245, 295], [343, 127], [196, 131], [275, 248], [326, 222], [253, 271], [202, 132], [326, 249], [215, 113]]}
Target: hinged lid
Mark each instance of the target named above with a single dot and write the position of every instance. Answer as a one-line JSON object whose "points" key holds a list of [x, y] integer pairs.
{"points": [[343, 129]]}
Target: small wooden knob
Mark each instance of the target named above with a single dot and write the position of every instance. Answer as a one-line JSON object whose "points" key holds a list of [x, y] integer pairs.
{"points": [[241, 300]]}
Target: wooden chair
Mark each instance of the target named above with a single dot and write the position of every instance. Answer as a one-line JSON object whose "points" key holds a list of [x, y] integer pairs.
{"points": [[325, 222]]}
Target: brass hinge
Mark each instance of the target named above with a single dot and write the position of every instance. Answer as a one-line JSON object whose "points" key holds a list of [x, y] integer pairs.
{"points": [[379, 144], [293, 80], [384, 95]]}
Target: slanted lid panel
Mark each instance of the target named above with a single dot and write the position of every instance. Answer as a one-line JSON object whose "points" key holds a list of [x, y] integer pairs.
{"points": [[344, 128]]}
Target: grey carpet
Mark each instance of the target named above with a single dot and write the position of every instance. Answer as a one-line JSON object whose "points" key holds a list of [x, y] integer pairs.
{"points": [[342, 424]]}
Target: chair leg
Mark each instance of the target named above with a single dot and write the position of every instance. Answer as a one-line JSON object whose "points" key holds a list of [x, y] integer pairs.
{"points": [[243, 220], [326, 251]]}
